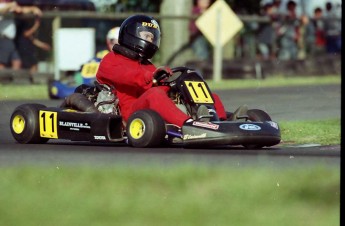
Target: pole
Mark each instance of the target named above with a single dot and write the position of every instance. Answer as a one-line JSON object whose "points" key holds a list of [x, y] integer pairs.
{"points": [[55, 26], [217, 55]]}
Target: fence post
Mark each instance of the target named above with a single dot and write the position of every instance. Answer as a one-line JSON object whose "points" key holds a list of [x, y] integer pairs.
{"points": [[175, 32], [55, 26]]}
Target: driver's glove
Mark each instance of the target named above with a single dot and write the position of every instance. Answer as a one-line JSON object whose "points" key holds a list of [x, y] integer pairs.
{"points": [[160, 73]]}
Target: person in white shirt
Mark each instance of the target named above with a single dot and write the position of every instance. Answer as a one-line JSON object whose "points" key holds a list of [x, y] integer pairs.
{"points": [[332, 26]]}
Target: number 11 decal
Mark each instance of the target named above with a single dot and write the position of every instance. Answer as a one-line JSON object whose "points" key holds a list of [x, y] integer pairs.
{"points": [[199, 92], [48, 124]]}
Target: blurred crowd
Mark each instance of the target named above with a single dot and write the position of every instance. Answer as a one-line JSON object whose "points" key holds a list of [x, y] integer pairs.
{"points": [[286, 36], [18, 39], [289, 36]]}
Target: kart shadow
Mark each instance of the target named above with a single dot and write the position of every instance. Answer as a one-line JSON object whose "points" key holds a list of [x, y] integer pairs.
{"points": [[78, 146]]}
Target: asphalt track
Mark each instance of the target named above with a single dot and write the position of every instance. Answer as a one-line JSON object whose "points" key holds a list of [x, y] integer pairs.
{"points": [[287, 104]]}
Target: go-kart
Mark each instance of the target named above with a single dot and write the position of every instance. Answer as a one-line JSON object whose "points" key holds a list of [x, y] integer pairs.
{"points": [[59, 89], [92, 114]]}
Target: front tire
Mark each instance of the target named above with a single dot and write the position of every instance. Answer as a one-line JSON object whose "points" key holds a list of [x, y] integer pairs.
{"points": [[145, 128], [257, 115], [52, 90], [25, 124]]}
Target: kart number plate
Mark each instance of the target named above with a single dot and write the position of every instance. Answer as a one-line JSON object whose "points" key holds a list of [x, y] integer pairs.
{"points": [[48, 124], [89, 70], [199, 92]]}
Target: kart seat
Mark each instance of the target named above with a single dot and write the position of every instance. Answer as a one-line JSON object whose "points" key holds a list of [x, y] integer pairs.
{"points": [[240, 113]]}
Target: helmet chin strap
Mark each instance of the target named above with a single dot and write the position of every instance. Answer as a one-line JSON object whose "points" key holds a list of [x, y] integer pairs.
{"points": [[130, 54]]}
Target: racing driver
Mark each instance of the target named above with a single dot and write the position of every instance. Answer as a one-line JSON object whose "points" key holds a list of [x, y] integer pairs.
{"points": [[128, 68]]}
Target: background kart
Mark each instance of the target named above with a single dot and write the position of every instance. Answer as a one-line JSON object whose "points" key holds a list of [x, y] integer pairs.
{"points": [[253, 128], [59, 89]]}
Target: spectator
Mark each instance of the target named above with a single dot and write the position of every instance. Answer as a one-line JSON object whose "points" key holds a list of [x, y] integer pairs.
{"points": [[199, 43], [9, 56], [266, 35], [305, 37], [275, 7], [27, 42], [288, 33], [319, 32], [332, 30], [276, 20]]}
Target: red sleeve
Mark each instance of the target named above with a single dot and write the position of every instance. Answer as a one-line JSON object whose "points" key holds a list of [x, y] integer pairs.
{"points": [[122, 72]]}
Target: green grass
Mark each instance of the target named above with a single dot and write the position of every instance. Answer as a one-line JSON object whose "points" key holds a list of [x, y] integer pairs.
{"points": [[170, 195], [276, 81], [40, 91], [23, 92], [178, 194], [324, 132]]}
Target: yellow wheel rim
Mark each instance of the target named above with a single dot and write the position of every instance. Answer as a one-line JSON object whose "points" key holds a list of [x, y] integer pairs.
{"points": [[54, 90], [137, 128], [18, 124]]}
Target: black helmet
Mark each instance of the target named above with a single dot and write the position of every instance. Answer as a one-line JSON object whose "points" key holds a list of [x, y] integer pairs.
{"points": [[141, 34]]}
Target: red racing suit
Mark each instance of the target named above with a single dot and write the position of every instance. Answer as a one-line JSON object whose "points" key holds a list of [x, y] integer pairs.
{"points": [[133, 86]]}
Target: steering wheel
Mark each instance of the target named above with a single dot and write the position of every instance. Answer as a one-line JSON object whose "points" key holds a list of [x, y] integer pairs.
{"points": [[165, 78]]}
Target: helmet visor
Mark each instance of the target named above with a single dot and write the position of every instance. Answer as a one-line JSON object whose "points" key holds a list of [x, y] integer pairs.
{"points": [[148, 31]]}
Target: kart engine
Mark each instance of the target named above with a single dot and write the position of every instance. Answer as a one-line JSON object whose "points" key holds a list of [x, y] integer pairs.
{"points": [[107, 102]]}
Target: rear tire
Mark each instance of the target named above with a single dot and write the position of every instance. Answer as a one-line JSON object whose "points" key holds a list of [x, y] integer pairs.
{"points": [[145, 128], [25, 124]]}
